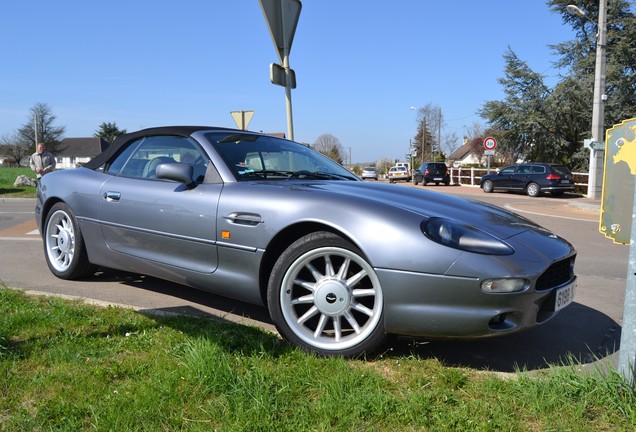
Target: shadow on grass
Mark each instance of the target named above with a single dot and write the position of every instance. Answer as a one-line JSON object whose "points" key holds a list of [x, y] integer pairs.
{"points": [[577, 332], [18, 192]]}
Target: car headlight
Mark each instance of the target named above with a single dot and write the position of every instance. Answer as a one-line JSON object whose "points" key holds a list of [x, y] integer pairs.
{"points": [[464, 237]]}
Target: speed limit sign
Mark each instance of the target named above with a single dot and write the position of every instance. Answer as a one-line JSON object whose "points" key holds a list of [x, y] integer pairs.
{"points": [[490, 143]]}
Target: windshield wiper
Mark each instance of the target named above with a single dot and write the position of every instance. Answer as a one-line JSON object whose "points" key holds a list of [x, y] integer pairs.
{"points": [[322, 175], [304, 174]]}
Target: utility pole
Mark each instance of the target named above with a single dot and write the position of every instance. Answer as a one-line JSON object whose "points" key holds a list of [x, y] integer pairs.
{"points": [[35, 129]]}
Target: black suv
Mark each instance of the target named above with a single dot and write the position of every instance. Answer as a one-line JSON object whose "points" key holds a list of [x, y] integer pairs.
{"points": [[432, 172], [531, 178]]}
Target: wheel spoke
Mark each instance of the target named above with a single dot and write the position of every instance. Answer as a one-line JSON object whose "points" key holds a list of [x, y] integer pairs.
{"points": [[353, 280], [314, 271], [310, 313], [337, 329], [363, 292], [322, 322], [352, 321], [329, 270], [344, 268], [362, 308], [306, 299], [307, 285]]}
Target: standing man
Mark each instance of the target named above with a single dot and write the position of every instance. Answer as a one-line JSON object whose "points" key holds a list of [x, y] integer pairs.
{"points": [[42, 161]]}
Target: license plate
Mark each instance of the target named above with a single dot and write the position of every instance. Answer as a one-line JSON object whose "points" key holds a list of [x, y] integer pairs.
{"points": [[437, 179], [564, 296], [565, 181]]}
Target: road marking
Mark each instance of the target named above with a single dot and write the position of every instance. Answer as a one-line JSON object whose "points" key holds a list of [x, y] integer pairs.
{"points": [[509, 207], [26, 229]]}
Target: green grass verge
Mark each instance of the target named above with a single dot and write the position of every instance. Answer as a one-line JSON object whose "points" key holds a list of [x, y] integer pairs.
{"points": [[7, 178], [68, 366]]}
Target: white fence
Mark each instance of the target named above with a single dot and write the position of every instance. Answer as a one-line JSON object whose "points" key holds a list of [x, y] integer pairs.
{"points": [[472, 177]]}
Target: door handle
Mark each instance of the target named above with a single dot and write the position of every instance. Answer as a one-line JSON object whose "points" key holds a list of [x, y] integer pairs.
{"points": [[244, 219], [112, 196]]}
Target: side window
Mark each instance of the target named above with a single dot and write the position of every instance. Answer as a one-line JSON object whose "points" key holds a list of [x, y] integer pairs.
{"points": [[537, 169], [508, 170], [141, 158]]}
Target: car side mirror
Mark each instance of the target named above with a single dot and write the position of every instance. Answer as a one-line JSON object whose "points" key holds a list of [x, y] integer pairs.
{"points": [[179, 172]]}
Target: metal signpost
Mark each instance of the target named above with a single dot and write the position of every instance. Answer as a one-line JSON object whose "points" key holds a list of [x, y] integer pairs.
{"points": [[282, 19], [490, 144]]}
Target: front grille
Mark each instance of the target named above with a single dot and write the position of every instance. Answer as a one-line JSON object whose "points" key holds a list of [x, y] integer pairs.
{"points": [[557, 274]]}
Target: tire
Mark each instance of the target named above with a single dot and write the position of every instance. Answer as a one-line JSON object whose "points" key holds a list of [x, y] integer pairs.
{"points": [[488, 186], [64, 247], [533, 190], [324, 297]]}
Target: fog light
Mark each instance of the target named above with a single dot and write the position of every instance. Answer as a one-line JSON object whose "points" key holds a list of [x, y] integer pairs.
{"points": [[504, 285], [497, 321]]}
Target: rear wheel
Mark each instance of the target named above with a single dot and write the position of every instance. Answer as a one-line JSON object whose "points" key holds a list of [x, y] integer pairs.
{"points": [[64, 248], [324, 296], [533, 190], [488, 186]]}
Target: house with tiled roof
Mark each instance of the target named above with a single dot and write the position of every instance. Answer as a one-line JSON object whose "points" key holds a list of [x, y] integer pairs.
{"points": [[465, 155], [73, 152]]}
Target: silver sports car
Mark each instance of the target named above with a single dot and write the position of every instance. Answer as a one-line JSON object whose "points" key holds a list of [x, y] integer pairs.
{"points": [[339, 262]]}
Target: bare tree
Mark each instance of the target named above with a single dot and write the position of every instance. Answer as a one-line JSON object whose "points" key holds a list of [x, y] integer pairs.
{"points": [[430, 122], [475, 130], [330, 146], [10, 148], [41, 117], [383, 165], [450, 143]]}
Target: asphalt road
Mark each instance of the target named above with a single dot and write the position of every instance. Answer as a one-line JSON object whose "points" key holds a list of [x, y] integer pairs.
{"points": [[588, 330]]}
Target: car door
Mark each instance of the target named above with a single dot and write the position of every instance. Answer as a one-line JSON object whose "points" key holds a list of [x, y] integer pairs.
{"points": [[159, 220], [506, 178], [521, 177]]}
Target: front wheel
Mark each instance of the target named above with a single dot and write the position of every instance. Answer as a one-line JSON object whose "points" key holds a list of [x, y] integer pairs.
{"points": [[487, 186], [533, 190], [324, 297], [64, 248]]}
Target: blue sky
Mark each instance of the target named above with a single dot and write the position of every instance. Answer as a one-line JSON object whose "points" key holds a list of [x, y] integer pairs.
{"points": [[360, 64]]}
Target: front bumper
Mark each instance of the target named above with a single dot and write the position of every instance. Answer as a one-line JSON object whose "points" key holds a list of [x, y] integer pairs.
{"points": [[438, 306]]}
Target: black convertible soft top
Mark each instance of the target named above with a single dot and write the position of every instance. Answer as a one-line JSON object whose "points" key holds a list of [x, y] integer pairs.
{"points": [[114, 147]]}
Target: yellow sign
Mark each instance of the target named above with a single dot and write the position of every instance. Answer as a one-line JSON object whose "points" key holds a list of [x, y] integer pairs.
{"points": [[618, 182]]}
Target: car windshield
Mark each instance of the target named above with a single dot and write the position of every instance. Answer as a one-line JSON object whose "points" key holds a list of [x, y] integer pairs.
{"points": [[253, 156]]}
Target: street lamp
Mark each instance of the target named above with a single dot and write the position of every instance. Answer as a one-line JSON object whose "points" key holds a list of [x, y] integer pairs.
{"points": [[597, 148]]}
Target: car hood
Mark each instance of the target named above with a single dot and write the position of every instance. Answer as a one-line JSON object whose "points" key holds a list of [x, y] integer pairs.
{"points": [[487, 217]]}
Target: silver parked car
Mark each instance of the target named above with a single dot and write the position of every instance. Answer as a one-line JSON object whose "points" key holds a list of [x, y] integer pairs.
{"points": [[369, 173], [269, 221]]}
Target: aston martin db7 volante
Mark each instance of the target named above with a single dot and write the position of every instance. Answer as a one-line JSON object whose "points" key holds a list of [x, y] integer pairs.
{"points": [[338, 262]]}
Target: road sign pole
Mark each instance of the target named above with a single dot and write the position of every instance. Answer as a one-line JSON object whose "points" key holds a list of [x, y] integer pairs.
{"points": [[627, 355], [282, 18], [288, 87]]}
